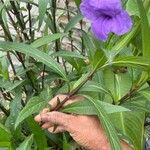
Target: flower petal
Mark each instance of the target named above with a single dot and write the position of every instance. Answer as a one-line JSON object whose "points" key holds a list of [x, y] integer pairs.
{"points": [[106, 4], [106, 16], [101, 28], [121, 23], [88, 11]]}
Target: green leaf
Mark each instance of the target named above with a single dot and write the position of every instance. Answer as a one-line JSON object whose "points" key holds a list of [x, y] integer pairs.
{"points": [[6, 146], [68, 54], [78, 84], [131, 61], [42, 10], [34, 105], [77, 2], [130, 125], [66, 145], [26, 144], [5, 21], [138, 104], [99, 59], [1, 8], [91, 86], [89, 45], [132, 8], [145, 29], [125, 40], [38, 133], [119, 84], [4, 70], [106, 123], [46, 94], [73, 22], [35, 53], [5, 135], [9, 86], [146, 94], [84, 108], [15, 108], [47, 39]]}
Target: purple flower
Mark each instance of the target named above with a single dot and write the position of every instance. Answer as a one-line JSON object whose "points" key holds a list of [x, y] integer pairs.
{"points": [[106, 16]]}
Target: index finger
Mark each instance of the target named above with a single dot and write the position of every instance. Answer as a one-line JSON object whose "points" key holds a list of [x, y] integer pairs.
{"points": [[54, 102]]}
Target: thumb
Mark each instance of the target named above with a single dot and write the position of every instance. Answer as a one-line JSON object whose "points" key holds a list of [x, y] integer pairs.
{"points": [[57, 118]]}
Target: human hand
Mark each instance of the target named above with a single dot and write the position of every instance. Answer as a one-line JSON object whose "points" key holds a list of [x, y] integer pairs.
{"points": [[85, 130]]}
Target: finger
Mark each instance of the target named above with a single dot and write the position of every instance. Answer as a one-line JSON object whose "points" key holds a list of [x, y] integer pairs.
{"points": [[59, 129], [45, 110], [57, 118], [47, 125], [73, 99], [54, 102], [37, 118]]}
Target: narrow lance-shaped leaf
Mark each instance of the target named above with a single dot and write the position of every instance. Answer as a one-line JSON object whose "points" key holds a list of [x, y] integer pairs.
{"points": [[107, 125], [66, 144], [84, 108], [145, 29], [39, 136], [94, 87], [35, 53], [132, 61], [68, 54], [34, 105], [131, 126], [5, 134], [42, 10], [5, 137], [47, 39], [9, 86], [26, 144], [73, 22]]}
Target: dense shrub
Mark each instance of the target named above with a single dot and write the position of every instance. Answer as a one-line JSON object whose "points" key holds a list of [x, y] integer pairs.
{"points": [[47, 48]]}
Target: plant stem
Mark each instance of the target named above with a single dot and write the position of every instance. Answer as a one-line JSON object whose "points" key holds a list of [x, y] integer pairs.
{"points": [[8, 37], [74, 91], [20, 20], [13, 22], [64, 64], [147, 124], [68, 17], [129, 94], [133, 90], [7, 33], [57, 42], [27, 73], [82, 41], [6, 112], [43, 75], [30, 19], [6, 96]]}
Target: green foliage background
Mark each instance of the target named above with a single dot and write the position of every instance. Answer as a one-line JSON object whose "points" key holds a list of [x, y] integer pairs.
{"points": [[42, 56]]}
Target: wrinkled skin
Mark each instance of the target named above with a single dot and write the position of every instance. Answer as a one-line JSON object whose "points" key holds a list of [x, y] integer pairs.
{"points": [[85, 130]]}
